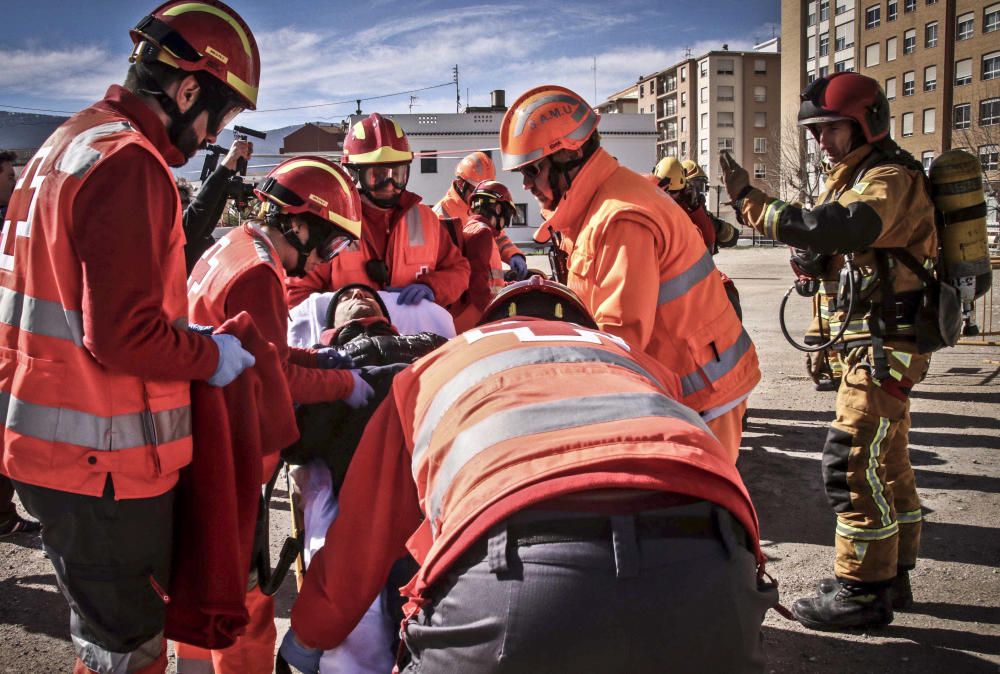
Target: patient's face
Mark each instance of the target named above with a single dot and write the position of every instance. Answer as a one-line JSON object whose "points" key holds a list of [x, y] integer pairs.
{"points": [[354, 304]]}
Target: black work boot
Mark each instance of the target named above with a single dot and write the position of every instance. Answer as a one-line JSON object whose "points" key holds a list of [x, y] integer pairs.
{"points": [[902, 594], [845, 605]]}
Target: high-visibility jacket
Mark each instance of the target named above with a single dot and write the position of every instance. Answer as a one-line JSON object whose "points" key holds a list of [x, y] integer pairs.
{"points": [[478, 244], [453, 206], [646, 276], [69, 421], [499, 419]]}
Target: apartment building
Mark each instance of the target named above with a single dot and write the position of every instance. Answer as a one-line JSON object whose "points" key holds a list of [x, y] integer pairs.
{"points": [[625, 102], [938, 62]]}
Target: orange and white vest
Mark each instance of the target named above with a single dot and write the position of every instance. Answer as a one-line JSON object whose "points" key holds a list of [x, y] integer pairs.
{"points": [[518, 412], [411, 252], [68, 420]]}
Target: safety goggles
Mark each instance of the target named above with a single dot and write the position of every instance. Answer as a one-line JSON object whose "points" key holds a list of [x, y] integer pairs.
{"points": [[332, 246], [531, 171], [220, 119], [379, 176]]}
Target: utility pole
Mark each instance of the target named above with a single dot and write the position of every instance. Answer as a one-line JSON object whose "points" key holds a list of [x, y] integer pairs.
{"points": [[458, 92], [412, 99]]}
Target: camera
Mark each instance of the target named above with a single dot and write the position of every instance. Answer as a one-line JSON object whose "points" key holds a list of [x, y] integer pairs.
{"points": [[237, 189]]}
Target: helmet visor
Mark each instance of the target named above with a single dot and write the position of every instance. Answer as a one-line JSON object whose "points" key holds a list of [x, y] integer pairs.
{"points": [[332, 246], [379, 176]]}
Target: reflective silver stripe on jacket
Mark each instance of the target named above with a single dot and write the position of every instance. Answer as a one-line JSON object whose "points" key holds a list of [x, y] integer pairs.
{"points": [[715, 370], [414, 227], [40, 317], [550, 416], [463, 381], [122, 431], [673, 288]]}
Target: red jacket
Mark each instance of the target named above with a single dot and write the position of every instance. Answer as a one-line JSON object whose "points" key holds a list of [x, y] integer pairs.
{"points": [[235, 429], [479, 246], [454, 206]]}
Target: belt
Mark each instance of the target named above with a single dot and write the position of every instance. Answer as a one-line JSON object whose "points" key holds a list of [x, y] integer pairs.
{"points": [[599, 528]]}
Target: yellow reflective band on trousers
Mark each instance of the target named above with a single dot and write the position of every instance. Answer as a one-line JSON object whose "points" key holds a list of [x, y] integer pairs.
{"points": [[471, 376], [544, 418], [871, 472], [40, 317], [911, 517], [122, 431], [675, 287], [855, 534]]}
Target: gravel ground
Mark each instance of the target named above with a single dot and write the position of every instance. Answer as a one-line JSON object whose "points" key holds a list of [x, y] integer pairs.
{"points": [[955, 441]]}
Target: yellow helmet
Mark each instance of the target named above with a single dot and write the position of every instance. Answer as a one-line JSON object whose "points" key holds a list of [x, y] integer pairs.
{"points": [[692, 170], [670, 173]]}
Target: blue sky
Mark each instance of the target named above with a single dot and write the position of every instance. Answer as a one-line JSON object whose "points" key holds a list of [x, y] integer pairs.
{"points": [[62, 56]]}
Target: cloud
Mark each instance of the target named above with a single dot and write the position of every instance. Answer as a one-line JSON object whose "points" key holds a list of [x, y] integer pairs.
{"points": [[79, 74]]}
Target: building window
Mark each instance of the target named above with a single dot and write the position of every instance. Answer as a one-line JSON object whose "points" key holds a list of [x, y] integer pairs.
{"points": [[429, 164], [989, 112], [930, 78], [891, 10], [890, 88], [684, 147], [703, 146], [843, 66], [842, 6], [725, 93], [759, 67], [725, 67], [926, 159], [930, 119], [811, 47], [703, 97], [760, 94], [725, 119], [703, 68], [684, 74], [892, 127], [909, 6], [991, 65], [964, 26], [909, 83], [760, 145], [726, 144], [931, 2], [760, 120], [991, 18], [824, 45], [910, 41], [704, 120], [684, 99], [873, 17], [890, 49], [962, 116], [907, 124], [988, 157], [963, 72], [930, 34], [824, 10], [824, 71], [872, 52], [759, 172], [684, 124], [671, 107], [844, 36]]}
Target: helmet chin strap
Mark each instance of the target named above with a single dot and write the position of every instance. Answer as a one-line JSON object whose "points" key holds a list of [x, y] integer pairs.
{"points": [[282, 224], [179, 121]]}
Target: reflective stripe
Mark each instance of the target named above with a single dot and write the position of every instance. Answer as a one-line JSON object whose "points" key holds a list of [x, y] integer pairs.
{"points": [[717, 369], [546, 417], [771, 215], [193, 666], [845, 530], [496, 274], [122, 431], [512, 161], [911, 517], [525, 112], [472, 375], [903, 357], [895, 374], [871, 474], [674, 287], [40, 317], [414, 227]]}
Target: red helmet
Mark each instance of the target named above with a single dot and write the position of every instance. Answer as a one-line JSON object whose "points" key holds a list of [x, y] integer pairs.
{"points": [[494, 197], [376, 140], [314, 185], [543, 121], [202, 36], [541, 298], [847, 95], [475, 168]]}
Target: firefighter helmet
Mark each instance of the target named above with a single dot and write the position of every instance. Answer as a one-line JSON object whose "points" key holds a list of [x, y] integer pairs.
{"points": [[692, 170], [847, 95], [202, 36], [543, 121], [493, 197], [475, 168], [670, 174], [314, 185], [376, 140], [540, 298]]}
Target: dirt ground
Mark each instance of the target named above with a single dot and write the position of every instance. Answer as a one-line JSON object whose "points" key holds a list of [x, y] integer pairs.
{"points": [[955, 624]]}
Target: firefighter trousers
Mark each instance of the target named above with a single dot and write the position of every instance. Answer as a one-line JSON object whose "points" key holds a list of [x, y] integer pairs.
{"points": [[866, 466]]}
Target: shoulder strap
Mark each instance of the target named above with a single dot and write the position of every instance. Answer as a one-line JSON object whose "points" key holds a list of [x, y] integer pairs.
{"points": [[906, 257]]}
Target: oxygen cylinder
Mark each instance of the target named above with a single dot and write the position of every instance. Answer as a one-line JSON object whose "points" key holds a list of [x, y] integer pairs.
{"points": [[957, 189]]}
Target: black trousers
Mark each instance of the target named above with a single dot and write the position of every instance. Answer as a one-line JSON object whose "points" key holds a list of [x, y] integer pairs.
{"points": [[8, 511], [110, 558]]}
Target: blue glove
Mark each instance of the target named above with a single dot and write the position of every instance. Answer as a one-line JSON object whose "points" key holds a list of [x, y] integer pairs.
{"points": [[414, 293], [300, 657], [519, 266], [233, 359], [328, 358], [361, 393], [206, 330]]}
